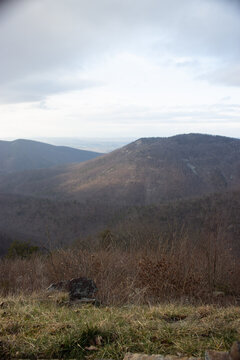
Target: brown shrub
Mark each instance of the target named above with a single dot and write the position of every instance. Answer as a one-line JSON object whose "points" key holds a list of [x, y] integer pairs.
{"points": [[175, 272]]}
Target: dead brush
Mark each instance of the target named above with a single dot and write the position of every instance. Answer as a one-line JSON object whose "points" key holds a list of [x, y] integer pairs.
{"points": [[166, 278], [143, 275]]}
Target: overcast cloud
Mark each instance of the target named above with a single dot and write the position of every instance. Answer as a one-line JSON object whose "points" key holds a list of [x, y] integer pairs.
{"points": [[75, 66]]}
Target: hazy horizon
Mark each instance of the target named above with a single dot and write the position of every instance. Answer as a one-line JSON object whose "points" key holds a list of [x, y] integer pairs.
{"points": [[103, 145]]}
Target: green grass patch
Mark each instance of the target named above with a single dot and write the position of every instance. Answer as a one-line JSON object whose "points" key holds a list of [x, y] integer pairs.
{"points": [[38, 327]]}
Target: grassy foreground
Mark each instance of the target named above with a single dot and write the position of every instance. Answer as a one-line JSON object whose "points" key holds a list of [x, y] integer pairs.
{"points": [[40, 327]]}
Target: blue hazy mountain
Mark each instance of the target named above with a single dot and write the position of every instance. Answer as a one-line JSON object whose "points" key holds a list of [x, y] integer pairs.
{"points": [[20, 155]]}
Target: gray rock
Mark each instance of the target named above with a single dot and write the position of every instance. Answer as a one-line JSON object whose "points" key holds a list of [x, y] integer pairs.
{"points": [[216, 355], [130, 356], [78, 288], [233, 354]]}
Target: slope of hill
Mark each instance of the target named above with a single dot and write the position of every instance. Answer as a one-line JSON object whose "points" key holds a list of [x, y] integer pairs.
{"points": [[147, 171], [63, 203], [59, 223], [20, 155]]}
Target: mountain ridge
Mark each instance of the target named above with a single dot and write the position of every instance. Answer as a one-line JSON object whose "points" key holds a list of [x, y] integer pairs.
{"points": [[78, 200], [23, 154], [143, 172]]}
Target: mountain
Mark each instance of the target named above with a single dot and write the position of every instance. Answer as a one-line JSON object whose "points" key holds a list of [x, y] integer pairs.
{"points": [[20, 155], [152, 186], [147, 171]]}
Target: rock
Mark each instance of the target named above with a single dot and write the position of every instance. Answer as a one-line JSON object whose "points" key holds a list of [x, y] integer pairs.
{"points": [[233, 354], [235, 351], [216, 355], [130, 356], [81, 289], [85, 301]]}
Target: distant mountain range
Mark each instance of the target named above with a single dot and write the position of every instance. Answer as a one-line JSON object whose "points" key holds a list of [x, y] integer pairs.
{"points": [[147, 171], [20, 155], [200, 173]]}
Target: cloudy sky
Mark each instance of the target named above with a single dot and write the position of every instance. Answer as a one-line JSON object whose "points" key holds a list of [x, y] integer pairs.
{"points": [[119, 68]]}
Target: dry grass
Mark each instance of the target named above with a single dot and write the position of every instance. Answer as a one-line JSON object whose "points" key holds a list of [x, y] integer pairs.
{"points": [[137, 276]]}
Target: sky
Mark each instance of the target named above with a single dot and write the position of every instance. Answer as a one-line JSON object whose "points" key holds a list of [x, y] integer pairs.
{"points": [[119, 68]]}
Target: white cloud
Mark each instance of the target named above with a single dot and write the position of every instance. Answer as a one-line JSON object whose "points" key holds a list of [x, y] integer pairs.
{"points": [[118, 67], [226, 75], [37, 88]]}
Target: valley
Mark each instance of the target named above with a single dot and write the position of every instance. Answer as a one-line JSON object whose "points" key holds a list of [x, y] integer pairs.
{"points": [[151, 186]]}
